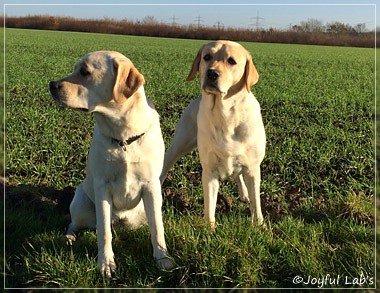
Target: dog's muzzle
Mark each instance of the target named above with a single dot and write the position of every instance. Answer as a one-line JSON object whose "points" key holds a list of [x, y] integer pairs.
{"points": [[55, 88], [211, 81]]}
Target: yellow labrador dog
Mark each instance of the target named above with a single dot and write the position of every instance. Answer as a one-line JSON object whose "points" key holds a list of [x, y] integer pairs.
{"points": [[226, 125], [126, 154]]}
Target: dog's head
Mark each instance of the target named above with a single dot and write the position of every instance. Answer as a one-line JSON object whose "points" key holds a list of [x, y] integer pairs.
{"points": [[98, 78], [224, 66]]}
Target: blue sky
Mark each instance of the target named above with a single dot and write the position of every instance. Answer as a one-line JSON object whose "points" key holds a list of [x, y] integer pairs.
{"points": [[239, 13]]}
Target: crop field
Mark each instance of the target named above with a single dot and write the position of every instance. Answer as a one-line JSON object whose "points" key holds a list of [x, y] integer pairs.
{"points": [[318, 176]]}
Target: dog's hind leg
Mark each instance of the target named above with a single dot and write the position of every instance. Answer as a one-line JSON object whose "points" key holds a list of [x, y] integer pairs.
{"points": [[82, 211], [243, 192], [185, 138]]}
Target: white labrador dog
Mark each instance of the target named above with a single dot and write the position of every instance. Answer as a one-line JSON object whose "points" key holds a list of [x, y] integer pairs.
{"points": [[226, 125], [126, 154]]}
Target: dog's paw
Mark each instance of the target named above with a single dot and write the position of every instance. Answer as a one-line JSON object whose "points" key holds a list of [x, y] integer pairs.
{"points": [[107, 266], [258, 221], [244, 198], [212, 226], [70, 239], [166, 263]]}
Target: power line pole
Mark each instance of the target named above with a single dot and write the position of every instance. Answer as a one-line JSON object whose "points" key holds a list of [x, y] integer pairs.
{"points": [[199, 20], [174, 20], [219, 25], [257, 18]]}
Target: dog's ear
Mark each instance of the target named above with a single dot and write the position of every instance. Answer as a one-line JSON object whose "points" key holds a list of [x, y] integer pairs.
{"points": [[128, 80], [195, 67], [251, 74]]}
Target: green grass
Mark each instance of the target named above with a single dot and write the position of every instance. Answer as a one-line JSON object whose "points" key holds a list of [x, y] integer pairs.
{"points": [[317, 176]]}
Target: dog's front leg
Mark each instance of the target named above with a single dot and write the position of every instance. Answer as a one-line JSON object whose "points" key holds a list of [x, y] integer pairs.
{"points": [[210, 184], [106, 261], [252, 180], [152, 199]]}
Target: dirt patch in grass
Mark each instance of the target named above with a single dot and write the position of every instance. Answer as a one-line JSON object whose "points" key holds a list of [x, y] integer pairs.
{"points": [[293, 203]]}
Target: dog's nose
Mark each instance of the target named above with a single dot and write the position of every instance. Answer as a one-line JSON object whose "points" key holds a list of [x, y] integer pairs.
{"points": [[54, 86], [212, 74]]}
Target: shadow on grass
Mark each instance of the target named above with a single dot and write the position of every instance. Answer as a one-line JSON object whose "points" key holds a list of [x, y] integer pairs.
{"points": [[30, 212], [36, 219], [40, 198]]}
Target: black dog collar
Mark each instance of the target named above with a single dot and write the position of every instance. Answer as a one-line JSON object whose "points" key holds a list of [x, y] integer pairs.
{"points": [[124, 143]]}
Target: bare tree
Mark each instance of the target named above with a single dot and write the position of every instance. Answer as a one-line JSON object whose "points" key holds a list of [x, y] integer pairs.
{"points": [[149, 19], [340, 28], [312, 25], [360, 28]]}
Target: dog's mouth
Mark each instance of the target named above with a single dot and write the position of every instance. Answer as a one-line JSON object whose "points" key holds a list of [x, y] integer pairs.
{"points": [[211, 88], [82, 109], [65, 105]]}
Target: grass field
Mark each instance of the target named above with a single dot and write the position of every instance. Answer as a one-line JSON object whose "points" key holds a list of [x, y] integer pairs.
{"points": [[317, 176]]}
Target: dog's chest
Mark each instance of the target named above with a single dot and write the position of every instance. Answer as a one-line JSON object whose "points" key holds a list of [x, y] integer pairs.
{"points": [[225, 142], [126, 186], [228, 166], [229, 153], [225, 153]]}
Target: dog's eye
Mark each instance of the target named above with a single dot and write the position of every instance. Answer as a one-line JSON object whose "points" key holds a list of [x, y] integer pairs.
{"points": [[207, 57], [84, 72], [231, 61]]}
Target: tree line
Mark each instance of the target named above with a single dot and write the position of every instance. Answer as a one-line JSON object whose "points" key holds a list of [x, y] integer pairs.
{"points": [[335, 27], [311, 31]]}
